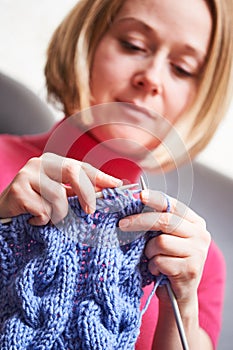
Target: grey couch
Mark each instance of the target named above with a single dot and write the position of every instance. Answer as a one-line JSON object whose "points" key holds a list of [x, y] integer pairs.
{"points": [[21, 110], [207, 192]]}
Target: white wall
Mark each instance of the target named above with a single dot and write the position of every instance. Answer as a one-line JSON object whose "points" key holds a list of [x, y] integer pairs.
{"points": [[25, 29]]}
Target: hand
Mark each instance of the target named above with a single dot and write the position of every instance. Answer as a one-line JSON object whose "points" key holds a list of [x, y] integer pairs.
{"points": [[41, 188], [180, 252]]}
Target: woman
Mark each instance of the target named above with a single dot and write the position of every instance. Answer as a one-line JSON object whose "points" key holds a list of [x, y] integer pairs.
{"points": [[149, 59]]}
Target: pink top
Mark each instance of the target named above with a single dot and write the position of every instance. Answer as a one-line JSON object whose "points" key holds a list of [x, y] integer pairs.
{"points": [[68, 141]]}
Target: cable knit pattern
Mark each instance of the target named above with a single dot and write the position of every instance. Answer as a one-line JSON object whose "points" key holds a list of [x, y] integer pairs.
{"points": [[76, 285]]}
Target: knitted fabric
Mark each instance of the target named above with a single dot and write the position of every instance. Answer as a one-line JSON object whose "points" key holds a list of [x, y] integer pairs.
{"points": [[73, 286]]}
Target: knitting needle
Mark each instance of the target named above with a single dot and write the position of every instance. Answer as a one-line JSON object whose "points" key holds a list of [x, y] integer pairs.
{"points": [[5, 221], [124, 187], [172, 297], [177, 316], [97, 195]]}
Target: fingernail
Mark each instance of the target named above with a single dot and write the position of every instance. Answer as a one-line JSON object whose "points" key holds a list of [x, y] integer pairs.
{"points": [[144, 195], [90, 209], [124, 223], [117, 182]]}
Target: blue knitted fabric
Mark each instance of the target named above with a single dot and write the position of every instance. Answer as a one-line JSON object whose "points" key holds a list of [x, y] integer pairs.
{"points": [[73, 286]]}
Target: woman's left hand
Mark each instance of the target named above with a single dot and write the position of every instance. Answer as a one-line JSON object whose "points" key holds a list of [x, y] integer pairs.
{"points": [[180, 252]]}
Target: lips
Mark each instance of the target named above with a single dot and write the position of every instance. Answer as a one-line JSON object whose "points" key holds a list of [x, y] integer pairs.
{"points": [[134, 114], [138, 110]]}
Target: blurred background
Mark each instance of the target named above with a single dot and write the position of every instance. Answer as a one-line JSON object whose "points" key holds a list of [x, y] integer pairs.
{"points": [[25, 30]]}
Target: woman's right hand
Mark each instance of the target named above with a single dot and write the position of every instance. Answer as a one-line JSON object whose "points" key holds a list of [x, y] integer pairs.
{"points": [[42, 186]]}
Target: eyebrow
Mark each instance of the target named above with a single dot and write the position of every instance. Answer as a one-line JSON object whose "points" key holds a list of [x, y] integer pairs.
{"points": [[198, 53], [137, 20]]}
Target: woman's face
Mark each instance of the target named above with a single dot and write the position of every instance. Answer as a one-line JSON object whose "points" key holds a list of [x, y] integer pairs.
{"points": [[150, 59]]}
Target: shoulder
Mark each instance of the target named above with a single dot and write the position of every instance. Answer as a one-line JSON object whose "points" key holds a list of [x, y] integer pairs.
{"points": [[15, 152]]}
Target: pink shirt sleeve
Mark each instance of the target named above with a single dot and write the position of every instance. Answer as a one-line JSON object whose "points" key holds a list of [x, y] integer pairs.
{"points": [[15, 152], [211, 293], [211, 297]]}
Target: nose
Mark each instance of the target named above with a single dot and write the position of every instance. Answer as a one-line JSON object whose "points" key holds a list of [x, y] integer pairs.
{"points": [[149, 75]]}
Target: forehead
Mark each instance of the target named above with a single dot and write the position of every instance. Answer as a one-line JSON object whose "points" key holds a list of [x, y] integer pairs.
{"points": [[166, 7], [181, 18]]}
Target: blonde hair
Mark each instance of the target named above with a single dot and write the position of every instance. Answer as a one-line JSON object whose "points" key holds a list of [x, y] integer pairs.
{"points": [[71, 52]]}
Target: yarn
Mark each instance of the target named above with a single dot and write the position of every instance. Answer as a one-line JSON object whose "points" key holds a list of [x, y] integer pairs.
{"points": [[76, 285]]}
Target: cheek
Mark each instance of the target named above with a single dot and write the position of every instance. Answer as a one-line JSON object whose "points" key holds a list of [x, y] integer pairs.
{"points": [[179, 98], [105, 71]]}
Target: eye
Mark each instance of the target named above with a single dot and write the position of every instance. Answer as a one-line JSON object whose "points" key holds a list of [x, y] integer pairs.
{"points": [[182, 72], [131, 46]]}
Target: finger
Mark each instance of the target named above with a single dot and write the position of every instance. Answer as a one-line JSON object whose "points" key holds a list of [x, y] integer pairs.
{"points": [[154, 221], [85, 191], [168, 245], [81, 177], [42, 217], [159, 201], [55, 194], [19, 198], [172, 267], [69, 172], [37, 206], [69, 191], [99, 178], [175, 268], [183, 274], [63, 170], [155, 199]]}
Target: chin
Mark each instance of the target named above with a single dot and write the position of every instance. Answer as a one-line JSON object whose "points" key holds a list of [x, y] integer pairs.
{"points": [[129, 148]]}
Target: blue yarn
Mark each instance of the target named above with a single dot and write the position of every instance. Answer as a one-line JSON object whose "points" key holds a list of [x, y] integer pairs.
{"points": [[73, 286]]}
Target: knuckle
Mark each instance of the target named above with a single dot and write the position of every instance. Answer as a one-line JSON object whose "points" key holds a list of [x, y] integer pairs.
{"points": [[139, 220], [174, 204], [86, 166], [15, 188], [17, 193], [58, 196], [52, 195], [203, 223], [59, 193], [162, 241], [165, 223], [153, 268], [193, 271], [47, 155], [207, 237], [99, 176], [72, 168], [156, 262], [29, 207], [44, 218], [32, 163]]}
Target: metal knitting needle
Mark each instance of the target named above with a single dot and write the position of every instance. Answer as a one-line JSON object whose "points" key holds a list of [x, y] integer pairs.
{"points": [[124, 187], [5, 221], [172, 297], [97, 195], [178, 318]]}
